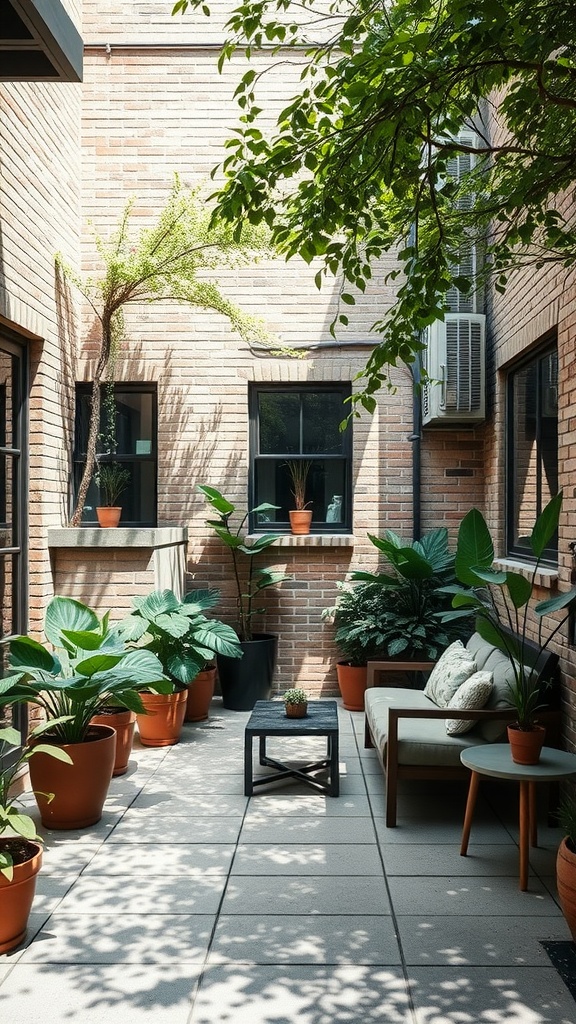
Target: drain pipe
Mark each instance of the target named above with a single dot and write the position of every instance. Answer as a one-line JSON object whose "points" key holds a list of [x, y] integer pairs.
{"points": [[416, 436]]}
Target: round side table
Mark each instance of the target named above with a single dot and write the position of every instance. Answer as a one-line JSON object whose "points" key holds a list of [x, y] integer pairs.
{"points": [[495, 760]]}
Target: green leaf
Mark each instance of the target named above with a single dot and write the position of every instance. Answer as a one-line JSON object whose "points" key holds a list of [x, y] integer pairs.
{"points": [[519, 588], [65, 613], [216, 499], [555, 604], [546, 525], [474, 549]]}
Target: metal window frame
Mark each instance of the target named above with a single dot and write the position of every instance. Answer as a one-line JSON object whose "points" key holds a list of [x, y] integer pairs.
{"points": [[254, 390]]}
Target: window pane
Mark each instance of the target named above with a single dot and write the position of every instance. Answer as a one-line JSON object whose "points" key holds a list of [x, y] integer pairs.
{"points": [[549, 426], [279, 422], [138, 501], [325, 490], [134, 427], [322, 414], [6, 500]]}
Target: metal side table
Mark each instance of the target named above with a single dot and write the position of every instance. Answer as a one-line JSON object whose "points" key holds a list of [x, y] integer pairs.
{"points": [[269, 719]]}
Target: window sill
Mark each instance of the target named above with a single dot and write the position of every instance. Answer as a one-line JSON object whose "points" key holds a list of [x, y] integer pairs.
{"points": [[544, 577], [308, 540], [119, 537]]}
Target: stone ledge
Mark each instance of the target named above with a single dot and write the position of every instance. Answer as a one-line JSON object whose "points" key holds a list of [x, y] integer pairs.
{"points": [[117, 537], [308, 540], [544, 577]]}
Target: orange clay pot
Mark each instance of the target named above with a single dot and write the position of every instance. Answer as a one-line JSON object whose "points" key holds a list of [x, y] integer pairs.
{"points": [[200, 693], [16, 896], [123, 722], [296, 710], [300, 519], [352, 683], [80, 788], [162, 725], [566, 883], [108, 515], [526, 744]]}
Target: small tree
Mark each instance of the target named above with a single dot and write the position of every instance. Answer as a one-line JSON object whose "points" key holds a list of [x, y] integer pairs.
{"points": [[162, 263]]}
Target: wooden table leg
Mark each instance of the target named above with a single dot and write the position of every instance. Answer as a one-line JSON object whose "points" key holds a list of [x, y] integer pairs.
{"points": [[470, 805], [533, 814], [524, 833]]}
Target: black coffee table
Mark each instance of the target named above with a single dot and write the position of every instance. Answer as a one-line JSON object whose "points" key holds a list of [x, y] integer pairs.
{"points": [[269, 719]]}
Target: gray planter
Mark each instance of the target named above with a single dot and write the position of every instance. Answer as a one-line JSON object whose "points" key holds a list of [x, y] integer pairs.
{"points": [[245, 680]]}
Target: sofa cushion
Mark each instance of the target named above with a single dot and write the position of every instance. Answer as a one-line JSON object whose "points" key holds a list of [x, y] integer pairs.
{"points": [[473, 694], [490, 658], [421, 741], [452, 669]]}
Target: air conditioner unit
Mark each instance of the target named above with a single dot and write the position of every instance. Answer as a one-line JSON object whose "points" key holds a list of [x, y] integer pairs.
{"points": [[454, 359]]}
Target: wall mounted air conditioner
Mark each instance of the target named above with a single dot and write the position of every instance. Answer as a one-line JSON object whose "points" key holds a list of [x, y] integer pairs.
{"points": [[455, 361]]}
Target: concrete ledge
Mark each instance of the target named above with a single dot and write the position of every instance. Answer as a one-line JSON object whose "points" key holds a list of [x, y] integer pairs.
{"points": [[308, 540], [544, 577], [119, 537]]}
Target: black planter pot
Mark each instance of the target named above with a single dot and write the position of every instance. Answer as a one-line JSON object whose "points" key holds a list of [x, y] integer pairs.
{"points": [[245, 680]]}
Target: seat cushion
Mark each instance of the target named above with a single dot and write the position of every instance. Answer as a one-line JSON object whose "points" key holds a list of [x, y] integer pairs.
{"points": [[452, 669], [473, 694], [421, 741]]}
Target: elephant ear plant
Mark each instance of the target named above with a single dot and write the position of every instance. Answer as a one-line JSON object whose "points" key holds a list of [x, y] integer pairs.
{"points": [[178, 632], [250, 582], [89, 668], [508, 623]]}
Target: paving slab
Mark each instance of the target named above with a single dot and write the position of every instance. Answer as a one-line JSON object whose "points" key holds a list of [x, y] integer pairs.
{"points": [[305, 939], [246, 894], [307, 804], [441, 833], [467, 896], [148, 895], [264, 829], [158, 799], [136, 829], [479, 941], [420, 859], [188, 859], [328, 859]]}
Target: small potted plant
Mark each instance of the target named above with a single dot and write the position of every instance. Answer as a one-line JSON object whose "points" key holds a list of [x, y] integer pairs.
{"points": [[112, 479], [301, 515], [566, 863], [20, 850], [296, 703]]}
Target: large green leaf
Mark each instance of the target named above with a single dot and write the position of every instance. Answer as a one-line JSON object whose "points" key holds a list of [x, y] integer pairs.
{"points": [[65, 613], [10, 735], [159, 602], [554, 604], [132, 628], [371, 577], [219, 637], [260, 544], [268, 577], [474, 548], [411, 565], [201, 600], [174, 625], [98, 663], [546, 525], [28, 653], [435, 548], [185, 666], [519, 588], [216, 499]]}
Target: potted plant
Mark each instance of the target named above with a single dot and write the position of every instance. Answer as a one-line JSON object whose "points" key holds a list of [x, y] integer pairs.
{"points": [[184, 640], [112, 479], [394, 614], [566, 864], [250, 679], [20, 850], [296, 702], [507, 623], [301, 515], [88, 667]]}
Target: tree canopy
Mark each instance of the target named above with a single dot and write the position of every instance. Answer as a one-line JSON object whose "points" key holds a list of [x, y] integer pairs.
{"points": [[360, 162]]}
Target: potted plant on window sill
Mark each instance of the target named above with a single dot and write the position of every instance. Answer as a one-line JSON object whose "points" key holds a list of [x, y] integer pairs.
{"points": [[185, 641], [507, 623], [89, 668], [245, 681], [112, 479], [20, 850], [301, 515]]}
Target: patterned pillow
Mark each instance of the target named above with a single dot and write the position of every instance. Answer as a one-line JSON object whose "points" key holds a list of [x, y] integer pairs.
{"points": [[452, 669], [473, 695]]}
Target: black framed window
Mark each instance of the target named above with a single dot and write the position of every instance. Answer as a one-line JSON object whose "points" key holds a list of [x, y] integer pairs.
{"points": [[13, 504], [532, 447], [301, 423], [132, 422]]}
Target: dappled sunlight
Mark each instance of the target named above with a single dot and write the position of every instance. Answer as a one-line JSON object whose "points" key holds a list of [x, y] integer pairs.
{"points": [[480, 998]]}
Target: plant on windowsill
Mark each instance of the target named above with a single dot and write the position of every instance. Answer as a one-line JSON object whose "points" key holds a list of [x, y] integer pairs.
{"points": [[246, 681], [20, 850], [112, 479], [300, 515], [508, 623], [89, 668], [393, 614], [296, 702], [185, 640]]}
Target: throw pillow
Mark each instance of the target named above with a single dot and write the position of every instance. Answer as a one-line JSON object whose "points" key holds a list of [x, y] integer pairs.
{"points": [[452, 669], [473, 695]]}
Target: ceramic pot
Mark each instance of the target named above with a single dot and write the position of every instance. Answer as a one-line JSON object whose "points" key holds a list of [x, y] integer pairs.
{"points": [[352, 683], [245, 680], [123, 722], [16, 896], [162, 725], [526, 744], [200, 693], [80, 788], [296, 710], [108, 515], [566, 884], [300, 519]]}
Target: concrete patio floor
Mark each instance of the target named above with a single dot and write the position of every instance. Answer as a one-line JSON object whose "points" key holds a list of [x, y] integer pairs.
{"points": [[190, 904]]}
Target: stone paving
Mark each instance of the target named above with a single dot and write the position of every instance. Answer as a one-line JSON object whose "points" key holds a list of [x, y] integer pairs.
{"points": [[190, 904]]}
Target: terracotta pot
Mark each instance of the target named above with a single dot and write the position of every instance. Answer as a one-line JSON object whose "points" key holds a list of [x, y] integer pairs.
{"points": [[108, 515], [526, 744], [352, 683], [162, 726], [300, 519], [566, 883], [296, 710], [16, 896], [80, 788], [123, 722], [200, 693]]}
